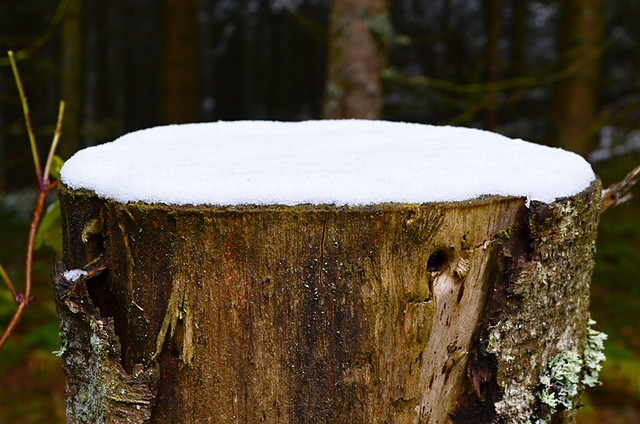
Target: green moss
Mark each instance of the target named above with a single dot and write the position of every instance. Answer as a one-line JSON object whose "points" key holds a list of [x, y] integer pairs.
{"points": [[506, 233]]}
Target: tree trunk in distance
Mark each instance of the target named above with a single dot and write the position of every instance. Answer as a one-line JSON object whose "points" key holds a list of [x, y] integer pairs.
{"points": [[358, 40], [517, 59], [71, 77], [179, 62], [493, 13], [576, 96], [402, 313]]}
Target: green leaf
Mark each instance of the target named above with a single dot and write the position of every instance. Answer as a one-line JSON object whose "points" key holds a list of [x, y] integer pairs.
{"points": [[56, 165], [49, 232]]}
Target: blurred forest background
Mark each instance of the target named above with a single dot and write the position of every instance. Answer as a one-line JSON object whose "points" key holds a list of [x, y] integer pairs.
{"points": [[558, 72]]}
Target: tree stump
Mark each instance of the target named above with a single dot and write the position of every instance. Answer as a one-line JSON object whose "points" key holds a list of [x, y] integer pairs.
{"points": [[386, 313]]}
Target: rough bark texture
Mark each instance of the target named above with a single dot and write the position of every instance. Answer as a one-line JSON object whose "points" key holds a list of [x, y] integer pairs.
{"points": [[428, 313], [358, 42]]}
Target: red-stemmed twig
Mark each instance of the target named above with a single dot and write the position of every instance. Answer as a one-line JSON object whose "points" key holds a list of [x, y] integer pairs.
{"points": [[44, 186]]}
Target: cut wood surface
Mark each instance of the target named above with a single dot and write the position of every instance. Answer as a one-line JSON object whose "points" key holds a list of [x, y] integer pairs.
{"points": [[390, 313]]}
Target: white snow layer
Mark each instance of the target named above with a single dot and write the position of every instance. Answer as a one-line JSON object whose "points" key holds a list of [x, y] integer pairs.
{"points": [[341, 162], [74, 274]]}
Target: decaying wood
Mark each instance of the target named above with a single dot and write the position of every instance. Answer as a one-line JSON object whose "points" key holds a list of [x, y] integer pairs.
{"points": [[392, 313]]}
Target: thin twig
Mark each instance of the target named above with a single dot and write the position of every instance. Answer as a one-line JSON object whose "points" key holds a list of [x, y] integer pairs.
{"points": [[14, 321], [536, 79], [7, 280], [25, 299], [54, 144], [45, 187], [27, 119], [52, 185], [619, 192], [37, 214]]}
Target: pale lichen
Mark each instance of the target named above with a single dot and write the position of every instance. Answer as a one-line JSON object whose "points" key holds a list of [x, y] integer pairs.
{"points": [[63, 345], [593, 355], [560, 381]]}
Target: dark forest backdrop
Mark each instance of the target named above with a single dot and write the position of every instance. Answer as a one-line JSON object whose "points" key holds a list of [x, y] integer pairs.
{"points": [[555, 72], [558, 72]]}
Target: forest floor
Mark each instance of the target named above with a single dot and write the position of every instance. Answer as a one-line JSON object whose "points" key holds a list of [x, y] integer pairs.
{"points": [[32, 383]]}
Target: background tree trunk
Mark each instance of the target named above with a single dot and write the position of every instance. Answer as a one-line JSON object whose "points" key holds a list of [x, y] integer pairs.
{"points": [[358, 40], [391, 313], [493, 14], [179, 62], [517, 57], [580, 46], [517, 66], [71, 77]]}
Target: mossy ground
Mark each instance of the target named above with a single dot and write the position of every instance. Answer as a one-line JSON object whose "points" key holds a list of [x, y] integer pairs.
{"points": [[32, 389]]}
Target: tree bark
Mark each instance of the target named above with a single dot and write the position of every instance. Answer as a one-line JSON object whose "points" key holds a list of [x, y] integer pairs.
{"points": [[397, 313], [358, 40], [580, 45]]}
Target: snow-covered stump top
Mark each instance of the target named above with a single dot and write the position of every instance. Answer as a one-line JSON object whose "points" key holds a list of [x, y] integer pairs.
{"points": [[343, 162]]}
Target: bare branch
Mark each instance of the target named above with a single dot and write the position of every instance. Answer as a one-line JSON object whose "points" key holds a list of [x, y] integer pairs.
{"points": [[54, 145], [25, 299], [7, 280], [27, 119], [14, 321], [617, 193]]}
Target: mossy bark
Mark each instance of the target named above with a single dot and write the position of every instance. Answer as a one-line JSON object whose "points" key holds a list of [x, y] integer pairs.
{"points": [[390, 313]]}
